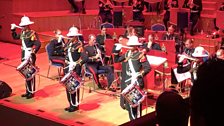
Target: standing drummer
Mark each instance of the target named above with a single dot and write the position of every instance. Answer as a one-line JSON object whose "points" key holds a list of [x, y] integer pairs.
{"points": [[30, 46], [73, 61], [134, 66]]}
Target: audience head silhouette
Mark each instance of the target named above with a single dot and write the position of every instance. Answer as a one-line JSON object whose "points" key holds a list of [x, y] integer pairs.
{"points": [[207, 93], [172, 109]]}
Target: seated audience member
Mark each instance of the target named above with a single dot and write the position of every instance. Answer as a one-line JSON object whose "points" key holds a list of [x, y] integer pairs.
{"points": [[95, 62], [151, 44], [168, 4], [221, 8], [105, 10], [138, 8], [149, 6], [75, 8], [207, 94], [195, 7], [172, 109]]}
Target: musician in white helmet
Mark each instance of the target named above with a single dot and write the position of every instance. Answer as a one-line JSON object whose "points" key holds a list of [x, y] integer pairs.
{"points": [[134, 66], [74, 59], [199, 56], [30, 46]]}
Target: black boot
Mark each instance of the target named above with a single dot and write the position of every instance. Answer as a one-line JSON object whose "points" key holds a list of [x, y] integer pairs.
{"points": [[29, 96], [24, 95], [73, 108], [66, 109]]}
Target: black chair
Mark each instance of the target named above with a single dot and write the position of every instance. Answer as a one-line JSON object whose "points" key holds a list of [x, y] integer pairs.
{"points": [[58, 64], [158, 27]]}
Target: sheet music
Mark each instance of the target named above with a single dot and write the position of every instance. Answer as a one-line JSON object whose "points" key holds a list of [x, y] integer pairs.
{"points": [[181, 77], [155, 60]]}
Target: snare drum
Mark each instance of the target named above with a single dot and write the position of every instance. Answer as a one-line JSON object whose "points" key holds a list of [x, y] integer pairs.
{"points": [[133, 94], [71, 81], [27, 69]]}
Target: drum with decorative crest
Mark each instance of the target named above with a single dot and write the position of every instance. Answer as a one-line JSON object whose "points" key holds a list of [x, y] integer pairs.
{"points": [[71, 81], [27, 69], [133, 94]]}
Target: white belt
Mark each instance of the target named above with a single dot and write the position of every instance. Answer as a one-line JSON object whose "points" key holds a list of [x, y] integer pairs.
{"points": [[28, 52], [194, 11]]}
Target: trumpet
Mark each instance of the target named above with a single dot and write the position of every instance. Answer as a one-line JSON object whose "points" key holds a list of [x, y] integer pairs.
{"points": [[118, 45], [63, 37], [13, 26], [187, 57]]}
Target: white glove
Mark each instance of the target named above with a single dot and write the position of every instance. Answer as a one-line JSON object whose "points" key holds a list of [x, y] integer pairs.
{"points": [[118, 47], [60, 38], [181, 59], [71, 66], [13, 26]]}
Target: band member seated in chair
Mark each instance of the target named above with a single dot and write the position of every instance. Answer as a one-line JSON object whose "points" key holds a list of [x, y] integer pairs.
{"points": [[30, 46], [170, 35], [95, 62], [75, 8], [75, 58], [100, 39], [199, 56], [151, 44], [134, 66], [187, 51], [57, 44]]}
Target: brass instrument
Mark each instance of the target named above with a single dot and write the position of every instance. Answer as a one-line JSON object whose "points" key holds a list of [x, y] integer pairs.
{"points": [[122, 46], [99, 54], [187, 57], [16, 26]]}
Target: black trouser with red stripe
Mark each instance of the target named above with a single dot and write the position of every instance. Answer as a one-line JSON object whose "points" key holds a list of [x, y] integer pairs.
{"points": [[97, 68]]}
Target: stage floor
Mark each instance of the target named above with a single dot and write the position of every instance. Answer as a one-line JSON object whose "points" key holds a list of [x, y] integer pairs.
{"points": [[99, 107]]}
